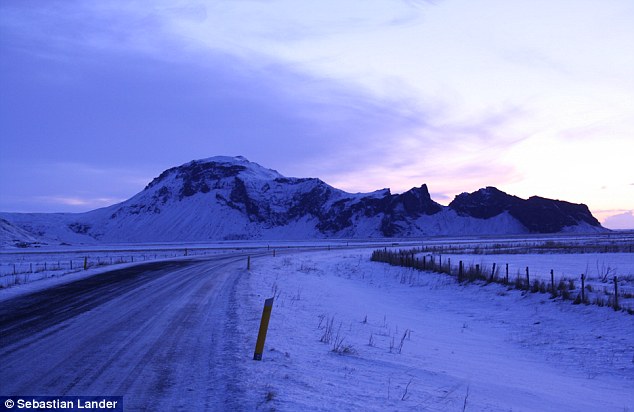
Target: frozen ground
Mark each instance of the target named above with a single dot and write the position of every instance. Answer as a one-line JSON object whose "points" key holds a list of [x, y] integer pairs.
{"points": [[417, 341], [599, 270], [399, 340], [595, 266]]}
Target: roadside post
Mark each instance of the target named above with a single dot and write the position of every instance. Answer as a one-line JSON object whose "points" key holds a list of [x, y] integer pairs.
{"points": [[264, 325], [616, 294]]}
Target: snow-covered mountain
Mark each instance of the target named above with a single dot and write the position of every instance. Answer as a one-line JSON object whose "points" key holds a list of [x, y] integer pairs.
{"points": [[224, 198]]}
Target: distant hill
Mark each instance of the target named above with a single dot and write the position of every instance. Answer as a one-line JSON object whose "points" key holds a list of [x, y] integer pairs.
{"points": [[230, 198]]}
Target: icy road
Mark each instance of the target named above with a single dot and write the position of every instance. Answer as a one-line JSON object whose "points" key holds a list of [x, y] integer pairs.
{"points": [[151, 333]]}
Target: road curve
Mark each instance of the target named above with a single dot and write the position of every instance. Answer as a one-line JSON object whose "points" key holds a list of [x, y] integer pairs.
{"points": [[153, 333]]}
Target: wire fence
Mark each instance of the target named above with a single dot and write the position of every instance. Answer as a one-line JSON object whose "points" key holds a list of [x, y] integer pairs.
{"points": [[615, 295]]}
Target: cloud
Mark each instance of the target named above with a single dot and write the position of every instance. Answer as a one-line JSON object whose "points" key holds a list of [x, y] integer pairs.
{"points": [[61, 201], [620, 221], [119, 84]]}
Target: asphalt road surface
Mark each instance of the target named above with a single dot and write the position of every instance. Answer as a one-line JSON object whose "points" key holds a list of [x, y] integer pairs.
{"points": [[153, 333]]}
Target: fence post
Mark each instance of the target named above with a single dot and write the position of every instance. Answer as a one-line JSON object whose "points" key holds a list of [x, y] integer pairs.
{"points": [[460, 271], [583, 287], [85, 263], [264, 325], [492, 272], [506, 279], [528, 280], [552, 282], [616, 294], [248, 262], [477, 271]]}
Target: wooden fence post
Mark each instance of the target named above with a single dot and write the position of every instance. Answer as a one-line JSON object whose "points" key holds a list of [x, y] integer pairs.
{"points": [[528, 280], [460, 268], [506, 280], [583, 287]]}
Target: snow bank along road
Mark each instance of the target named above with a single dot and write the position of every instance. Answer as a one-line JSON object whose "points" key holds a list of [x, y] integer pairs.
{"points": [[153, 333]]}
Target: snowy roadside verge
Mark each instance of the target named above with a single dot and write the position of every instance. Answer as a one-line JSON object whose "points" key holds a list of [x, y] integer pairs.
{"points": [[424, 344]]}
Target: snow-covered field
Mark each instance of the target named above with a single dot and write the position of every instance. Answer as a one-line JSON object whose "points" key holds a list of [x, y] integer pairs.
{"points": [[405, 340], [350, 334], [595, 266]]}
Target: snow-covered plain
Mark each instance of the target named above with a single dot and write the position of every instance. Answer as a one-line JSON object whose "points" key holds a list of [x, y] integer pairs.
{"points": [[418, 341], [401, 339], [599, 270]]}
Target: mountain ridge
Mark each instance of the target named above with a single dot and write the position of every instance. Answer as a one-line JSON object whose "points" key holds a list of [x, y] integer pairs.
{"points": [[225, 198]]}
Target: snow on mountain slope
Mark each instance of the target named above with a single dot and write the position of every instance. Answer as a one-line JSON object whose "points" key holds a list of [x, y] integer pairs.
{"points": [[227, 198], [46, 228], [10, 234]]}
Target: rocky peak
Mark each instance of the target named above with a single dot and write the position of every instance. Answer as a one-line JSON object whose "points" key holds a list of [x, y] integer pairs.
{"points": [[482, 204], [537, 214], [200, 176], [417, 201]]}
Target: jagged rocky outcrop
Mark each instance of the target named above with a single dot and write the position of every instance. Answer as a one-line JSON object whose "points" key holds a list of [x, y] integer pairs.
{"points": [[231, 198], [537, 214]]}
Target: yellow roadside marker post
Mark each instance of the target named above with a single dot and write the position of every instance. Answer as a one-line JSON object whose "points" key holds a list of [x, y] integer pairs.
{"points": [[264, 325]]}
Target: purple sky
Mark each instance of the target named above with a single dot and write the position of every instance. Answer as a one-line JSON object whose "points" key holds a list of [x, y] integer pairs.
{"points": [[536, 98]]}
